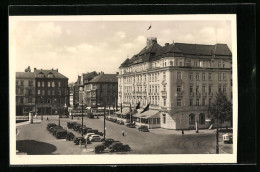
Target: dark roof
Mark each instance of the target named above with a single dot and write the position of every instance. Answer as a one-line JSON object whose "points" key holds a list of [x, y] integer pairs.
{"points": [[29, 75], [104, 78], [55, 73], [156, 52]]}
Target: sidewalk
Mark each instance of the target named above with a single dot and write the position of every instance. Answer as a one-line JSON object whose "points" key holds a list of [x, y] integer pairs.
{"points": [[162, 131], [35, 121]]}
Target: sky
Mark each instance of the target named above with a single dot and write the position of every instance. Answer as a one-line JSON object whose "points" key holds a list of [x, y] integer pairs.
{"points": [[76, 47]]}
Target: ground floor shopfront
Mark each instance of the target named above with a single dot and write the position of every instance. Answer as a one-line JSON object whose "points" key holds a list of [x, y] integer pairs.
{"points": [[24, 109], [191, 118]]}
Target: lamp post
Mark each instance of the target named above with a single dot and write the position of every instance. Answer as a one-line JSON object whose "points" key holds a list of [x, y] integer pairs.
{"points": [[42, 108], [82, 117], [217, 147], [104, 122]]}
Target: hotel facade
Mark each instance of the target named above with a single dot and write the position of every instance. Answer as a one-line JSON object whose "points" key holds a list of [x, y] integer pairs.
{"points": [[177, 80]]}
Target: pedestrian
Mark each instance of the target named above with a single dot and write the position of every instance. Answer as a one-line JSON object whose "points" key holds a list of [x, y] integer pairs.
{"points": [[47, 119], [123, 133]]}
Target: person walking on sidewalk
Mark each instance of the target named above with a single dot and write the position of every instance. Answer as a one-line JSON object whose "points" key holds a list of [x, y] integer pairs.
{"points": [[123, 133]]}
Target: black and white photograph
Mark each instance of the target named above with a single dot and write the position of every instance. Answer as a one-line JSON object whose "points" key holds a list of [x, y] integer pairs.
{"points": [[123, 89]]}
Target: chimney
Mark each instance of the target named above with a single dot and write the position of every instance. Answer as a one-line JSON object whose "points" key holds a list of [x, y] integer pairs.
{"points": [[166, 44], [34, 69], [150, 41], [117, 73], [57, 70]]}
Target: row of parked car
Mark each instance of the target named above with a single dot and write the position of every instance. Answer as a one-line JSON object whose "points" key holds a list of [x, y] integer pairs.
{"points": [[57, 131], [120, 122], [142, 128], [110, 145]]}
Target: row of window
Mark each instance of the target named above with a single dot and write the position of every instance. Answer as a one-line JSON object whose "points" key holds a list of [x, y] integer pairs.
{"points": [[49, 84], [24, 100], [191, 119], [22, 91], [49, 92], [21, 83]]}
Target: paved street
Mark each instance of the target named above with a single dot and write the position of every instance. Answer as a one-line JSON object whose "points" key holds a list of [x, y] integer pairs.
{"points": [[35, 139]]}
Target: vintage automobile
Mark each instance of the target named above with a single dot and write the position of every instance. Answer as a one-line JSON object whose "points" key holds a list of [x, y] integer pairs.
{"points": [[70, 136], [143, 128], [78, 140], [99, 148], [76, 127], [92, 131], [71, 124], [95, 138], [108, 142], [121, 122], [100, 133], [54, 131], [53, 128], [88, 135], [61, 134], [85, 130], [130, 125], [118, 147], [49, 125], [228, 138]]}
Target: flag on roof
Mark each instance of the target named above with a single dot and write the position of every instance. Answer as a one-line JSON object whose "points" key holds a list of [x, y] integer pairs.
{"points": [[146, 108], [149, 27], [121, 108]]}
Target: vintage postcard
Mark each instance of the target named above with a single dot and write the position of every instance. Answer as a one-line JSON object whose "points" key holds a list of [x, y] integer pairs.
{"points": [[130, 89]]}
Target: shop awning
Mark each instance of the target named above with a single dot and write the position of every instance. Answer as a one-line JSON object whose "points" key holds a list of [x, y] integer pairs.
{"points": [[148, 114]]}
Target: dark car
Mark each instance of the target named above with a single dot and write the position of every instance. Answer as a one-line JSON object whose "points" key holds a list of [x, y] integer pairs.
{"points": [[71, 124], [92, 131], [99, 148], [143, 128], [78, 140], [130, 125], [118, 147], [90, 115], [49, 125], [70, 136], [108, 142], [85, 130], [54, 131], [61, 134], [100, 133], [54, 127], [76, 127]]}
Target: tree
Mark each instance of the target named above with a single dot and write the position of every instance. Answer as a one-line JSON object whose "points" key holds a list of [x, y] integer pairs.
{"points": [[221, 108]]}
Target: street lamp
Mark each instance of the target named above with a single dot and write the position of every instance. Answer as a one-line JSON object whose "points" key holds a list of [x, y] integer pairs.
{"points": [[42, 108]]}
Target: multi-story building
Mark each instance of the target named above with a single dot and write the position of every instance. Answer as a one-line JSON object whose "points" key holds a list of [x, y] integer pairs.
{"points": [[52, 91], [25, 93], [177, 80], [101, 91]]}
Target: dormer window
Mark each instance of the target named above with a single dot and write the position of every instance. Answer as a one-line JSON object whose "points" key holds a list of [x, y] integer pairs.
{"points": [[50, 75], [41, 75]]}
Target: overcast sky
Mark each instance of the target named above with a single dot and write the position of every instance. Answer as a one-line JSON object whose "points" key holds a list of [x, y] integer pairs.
{"points": [[76, 47]]}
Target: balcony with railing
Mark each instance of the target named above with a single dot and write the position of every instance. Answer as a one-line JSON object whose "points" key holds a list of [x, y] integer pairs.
{"points": [[164, 93]]}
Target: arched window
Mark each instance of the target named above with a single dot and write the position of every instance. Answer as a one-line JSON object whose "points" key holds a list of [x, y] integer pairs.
{"points": [[191, 119], [202, 118]]}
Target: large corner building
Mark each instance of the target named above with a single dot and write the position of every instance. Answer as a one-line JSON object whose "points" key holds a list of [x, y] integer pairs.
{"points": [[177, 80]]}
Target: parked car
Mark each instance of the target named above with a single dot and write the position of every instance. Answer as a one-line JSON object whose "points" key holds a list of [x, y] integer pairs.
{"points": [[143, 128], [88, 135], [92, 131], [118, 147], [99, 148], [54, 131], [61, 134], [78, 140], [121, 122], [85, 130], [70, 136], [49, 125], [130, 125], [228, 138], [71, 124], [95, 138], [100, 133], [76, 127], [54, 127], [108, 142]]}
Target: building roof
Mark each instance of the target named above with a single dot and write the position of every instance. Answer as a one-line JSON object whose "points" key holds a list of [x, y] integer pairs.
{"points": [[156, 52], [28, 75], [88, 76], [55, 73], [104, 78]]}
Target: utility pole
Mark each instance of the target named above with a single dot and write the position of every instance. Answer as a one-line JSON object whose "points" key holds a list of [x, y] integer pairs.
{"points": [[82, 117], [217, 147], [104, 122]]}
